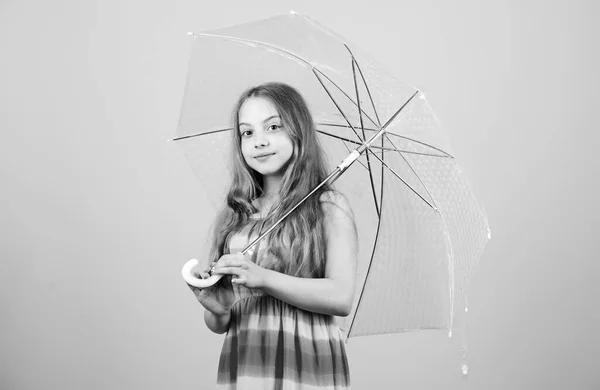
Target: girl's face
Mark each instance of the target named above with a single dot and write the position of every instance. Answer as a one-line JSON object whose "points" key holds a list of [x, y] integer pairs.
{"points": [[266, 145]]}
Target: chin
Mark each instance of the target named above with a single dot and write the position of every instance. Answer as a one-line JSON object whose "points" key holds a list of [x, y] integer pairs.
{"points": [[265, 171]]}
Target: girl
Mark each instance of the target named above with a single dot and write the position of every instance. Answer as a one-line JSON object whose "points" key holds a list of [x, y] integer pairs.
{"points": [[278, 304]]}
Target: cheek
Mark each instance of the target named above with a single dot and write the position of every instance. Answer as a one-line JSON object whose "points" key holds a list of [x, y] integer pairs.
{"points": [[286, 142], [245, 150], [291, 149]]}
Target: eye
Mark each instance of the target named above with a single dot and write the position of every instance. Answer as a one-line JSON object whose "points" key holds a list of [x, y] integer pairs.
{"points": [[274, 127], [246, 133]]}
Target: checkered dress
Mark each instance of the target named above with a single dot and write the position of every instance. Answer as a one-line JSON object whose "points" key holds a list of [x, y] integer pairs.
{"points": [[273, 345]]}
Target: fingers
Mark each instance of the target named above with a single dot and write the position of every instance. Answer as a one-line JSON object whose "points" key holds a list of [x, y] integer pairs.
{"points": [[201, 275], [241, 265], [198, 274], [241, 280], [234, 271], [236, 260]]}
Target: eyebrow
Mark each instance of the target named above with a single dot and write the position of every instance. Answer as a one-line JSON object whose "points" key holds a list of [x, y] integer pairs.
{"points": [[265, 121]]}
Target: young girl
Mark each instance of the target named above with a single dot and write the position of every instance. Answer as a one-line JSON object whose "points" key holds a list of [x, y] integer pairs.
{"points": [[278, 304]]}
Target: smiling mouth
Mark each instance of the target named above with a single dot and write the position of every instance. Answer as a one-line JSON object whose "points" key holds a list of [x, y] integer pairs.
{"points": [[264, 155]]}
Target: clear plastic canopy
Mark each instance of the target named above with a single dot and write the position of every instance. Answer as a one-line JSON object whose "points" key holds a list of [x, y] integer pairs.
{"points": [[421, 230]]}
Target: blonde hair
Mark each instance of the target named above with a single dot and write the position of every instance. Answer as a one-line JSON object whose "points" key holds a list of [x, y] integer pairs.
{"points": [[297, 246]]}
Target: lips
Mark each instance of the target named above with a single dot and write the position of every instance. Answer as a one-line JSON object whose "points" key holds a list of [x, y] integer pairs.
{"points": [[264, 155]]}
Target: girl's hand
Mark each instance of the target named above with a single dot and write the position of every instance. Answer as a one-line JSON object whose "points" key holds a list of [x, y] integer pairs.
{"points": [[217, 299], [242, 270]]}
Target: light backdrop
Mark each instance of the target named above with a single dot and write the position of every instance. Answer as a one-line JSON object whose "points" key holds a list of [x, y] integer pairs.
{"points": [[98, 212]]}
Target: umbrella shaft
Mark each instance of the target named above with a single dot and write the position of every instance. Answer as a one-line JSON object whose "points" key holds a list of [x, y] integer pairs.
{"points": [[332, 177], [367, 144]]}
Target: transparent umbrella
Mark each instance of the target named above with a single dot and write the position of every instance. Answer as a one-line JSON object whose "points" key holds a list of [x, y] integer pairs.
{"points": [[421, 230]]}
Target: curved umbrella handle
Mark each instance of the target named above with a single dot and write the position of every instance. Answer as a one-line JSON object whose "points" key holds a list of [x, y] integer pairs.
{"points": [[192, 280]]}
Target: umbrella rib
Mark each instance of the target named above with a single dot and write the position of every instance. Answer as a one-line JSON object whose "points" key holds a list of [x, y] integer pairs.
{"points": [[242, 40], [368, 150], [360, 114], [199, 134], [340, 125], [334, 102], [413, 171], [362, 291], [408, 185], [365, 84], [340, 137], [344, 93], [351, 141], [395, 135], [362, 126], [382, 148], [422, 143], [405, 151]]}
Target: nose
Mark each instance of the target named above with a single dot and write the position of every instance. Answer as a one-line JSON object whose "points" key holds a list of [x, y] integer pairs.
{"points": [[260, 140]]}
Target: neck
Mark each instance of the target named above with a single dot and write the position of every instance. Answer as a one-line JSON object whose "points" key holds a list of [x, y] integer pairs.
{"points": [[271, 185], [270, 196]]}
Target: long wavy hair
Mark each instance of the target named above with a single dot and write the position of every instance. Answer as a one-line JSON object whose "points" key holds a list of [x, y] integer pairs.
{"points": [[296, 246]]}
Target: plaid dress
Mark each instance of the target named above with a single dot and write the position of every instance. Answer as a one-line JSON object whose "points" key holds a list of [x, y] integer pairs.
{"points": [[273, 345]]}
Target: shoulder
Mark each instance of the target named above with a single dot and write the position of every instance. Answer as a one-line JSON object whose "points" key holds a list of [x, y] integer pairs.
{"points": [[335, 203], [338, 219], [334, 197]]}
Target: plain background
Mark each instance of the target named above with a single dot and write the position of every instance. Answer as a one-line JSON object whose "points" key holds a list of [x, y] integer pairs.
{"points": [[98, 212]]}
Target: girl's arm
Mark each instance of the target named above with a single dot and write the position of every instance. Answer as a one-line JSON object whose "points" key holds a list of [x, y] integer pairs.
{"points": [[334, 293], [217, 323], [217, 302]]}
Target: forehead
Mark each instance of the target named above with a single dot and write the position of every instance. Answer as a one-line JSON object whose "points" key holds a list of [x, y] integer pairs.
{"points": [[256, 109]]}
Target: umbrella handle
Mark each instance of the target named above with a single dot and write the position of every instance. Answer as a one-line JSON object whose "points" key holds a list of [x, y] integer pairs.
{"points": [[192, 280]]}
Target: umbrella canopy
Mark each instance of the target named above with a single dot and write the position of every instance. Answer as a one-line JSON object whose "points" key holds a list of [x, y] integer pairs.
{"points": [[421, 230]]}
